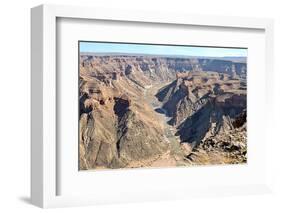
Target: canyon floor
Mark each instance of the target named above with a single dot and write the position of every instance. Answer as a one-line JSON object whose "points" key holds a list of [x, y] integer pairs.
{"points": [[170, 158]]}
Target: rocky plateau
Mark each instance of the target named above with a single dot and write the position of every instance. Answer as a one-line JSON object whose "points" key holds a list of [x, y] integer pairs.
{"points": [[161, 111]]}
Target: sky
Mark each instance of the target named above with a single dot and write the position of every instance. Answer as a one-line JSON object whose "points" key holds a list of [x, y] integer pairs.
{"points": [[100, 47]]}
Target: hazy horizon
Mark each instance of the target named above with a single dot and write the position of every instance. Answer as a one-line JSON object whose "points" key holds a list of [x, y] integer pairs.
{"points": [[154, 49]]}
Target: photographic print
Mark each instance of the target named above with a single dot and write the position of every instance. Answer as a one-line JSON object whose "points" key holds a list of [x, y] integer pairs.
{"points": [[156, 105]]}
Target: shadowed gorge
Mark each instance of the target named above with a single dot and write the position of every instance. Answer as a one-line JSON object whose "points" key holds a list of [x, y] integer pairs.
{"points": [[161, 111]]}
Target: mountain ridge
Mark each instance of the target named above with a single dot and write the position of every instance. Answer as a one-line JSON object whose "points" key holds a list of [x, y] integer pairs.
{"points": [[118, 54]]}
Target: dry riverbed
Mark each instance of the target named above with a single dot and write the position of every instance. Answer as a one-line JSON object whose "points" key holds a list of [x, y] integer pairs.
{"points": [[175, 155]]}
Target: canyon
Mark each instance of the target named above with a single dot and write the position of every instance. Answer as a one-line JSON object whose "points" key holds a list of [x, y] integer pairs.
{"points": [[161, 111]]}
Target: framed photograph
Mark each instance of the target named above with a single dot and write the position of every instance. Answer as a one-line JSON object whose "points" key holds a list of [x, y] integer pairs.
{"points": [[130, 106]]}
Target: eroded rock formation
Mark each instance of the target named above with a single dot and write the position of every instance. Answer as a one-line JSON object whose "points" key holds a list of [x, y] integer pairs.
{"points": [[207, 107], [205, 101]]}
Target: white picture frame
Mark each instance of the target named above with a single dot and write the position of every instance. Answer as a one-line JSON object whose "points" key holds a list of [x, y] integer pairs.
{"points": [[44, 155]]}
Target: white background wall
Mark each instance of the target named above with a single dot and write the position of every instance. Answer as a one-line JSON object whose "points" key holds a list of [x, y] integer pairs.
{"points": [[15, 104]]}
